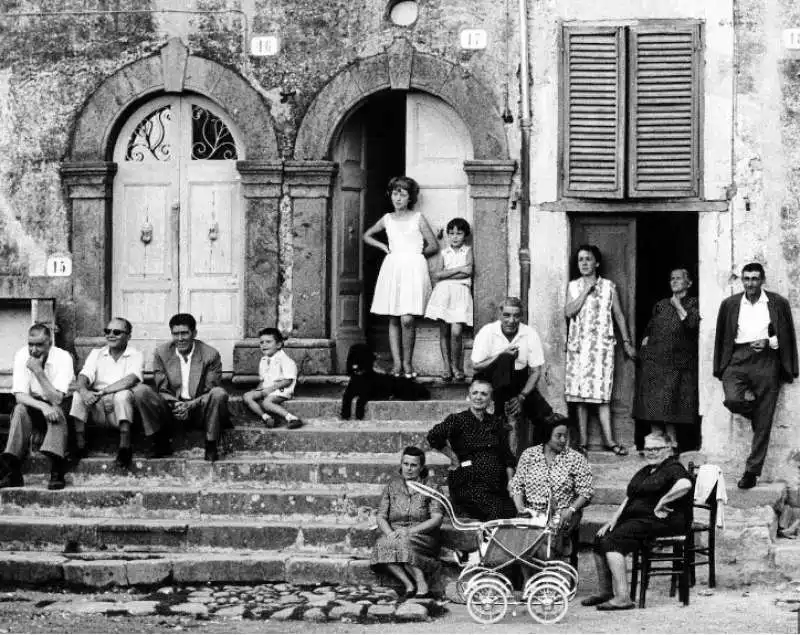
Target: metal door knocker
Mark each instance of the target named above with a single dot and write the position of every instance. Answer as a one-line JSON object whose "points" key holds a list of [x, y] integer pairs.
{"points": [[146, 235], [213, 232]]}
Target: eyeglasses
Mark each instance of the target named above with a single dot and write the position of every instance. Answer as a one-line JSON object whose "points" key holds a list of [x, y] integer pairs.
{"points": [[115, 332], [657, 448]]}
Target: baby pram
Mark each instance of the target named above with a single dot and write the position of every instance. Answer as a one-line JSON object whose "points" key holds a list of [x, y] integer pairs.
{"points": [[484, 587]]}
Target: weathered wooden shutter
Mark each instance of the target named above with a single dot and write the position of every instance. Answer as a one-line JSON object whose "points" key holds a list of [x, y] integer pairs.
{"points": [[594, 116], [664, 117]]}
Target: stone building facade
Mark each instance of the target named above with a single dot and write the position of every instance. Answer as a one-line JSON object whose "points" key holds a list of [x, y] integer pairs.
{"points": [[175, 171]]}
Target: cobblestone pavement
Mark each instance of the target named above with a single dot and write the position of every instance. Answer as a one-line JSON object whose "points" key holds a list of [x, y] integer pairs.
{"points": [[373, 610]]}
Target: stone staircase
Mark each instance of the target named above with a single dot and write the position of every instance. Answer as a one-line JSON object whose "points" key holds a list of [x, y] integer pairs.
{"points": [[280, 505]]}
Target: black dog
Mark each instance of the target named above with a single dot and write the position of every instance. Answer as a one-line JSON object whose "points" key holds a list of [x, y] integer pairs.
{"points": [[367, 385]]}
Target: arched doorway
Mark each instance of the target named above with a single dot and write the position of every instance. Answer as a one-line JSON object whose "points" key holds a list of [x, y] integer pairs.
{"points": [[391, 133], [177, 222]]}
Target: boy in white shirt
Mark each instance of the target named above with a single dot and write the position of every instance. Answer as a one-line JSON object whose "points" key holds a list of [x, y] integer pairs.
{"points": [[278, 374]]}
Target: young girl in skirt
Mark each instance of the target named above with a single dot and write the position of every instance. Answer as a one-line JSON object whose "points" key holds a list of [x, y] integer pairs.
{"points": [[451, 300], [404, 284]]}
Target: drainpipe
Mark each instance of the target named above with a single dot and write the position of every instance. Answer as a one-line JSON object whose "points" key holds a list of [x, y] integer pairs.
{"points": [[524, 161]]}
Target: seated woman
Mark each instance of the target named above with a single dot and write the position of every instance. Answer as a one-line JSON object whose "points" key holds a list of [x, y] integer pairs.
{"points": [[552, 469], [656, 505], [481, 462], [409, 522]]}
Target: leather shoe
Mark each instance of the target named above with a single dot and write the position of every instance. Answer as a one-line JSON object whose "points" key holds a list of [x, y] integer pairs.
{"points": [[57, 469], [124, 457], [212, 454], [12, 479], [747, 481], [160, 446]]}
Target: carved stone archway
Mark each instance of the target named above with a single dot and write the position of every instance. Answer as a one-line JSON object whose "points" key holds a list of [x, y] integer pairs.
{"points": [[88, 174], [401, 67]]}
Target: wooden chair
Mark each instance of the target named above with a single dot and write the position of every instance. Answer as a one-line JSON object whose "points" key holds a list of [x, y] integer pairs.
{"points": [[677, 556]]}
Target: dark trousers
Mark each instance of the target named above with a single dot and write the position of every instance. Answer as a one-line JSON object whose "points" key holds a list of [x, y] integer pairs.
{"points": [[758, 372], [507, 382], [211, 413]]}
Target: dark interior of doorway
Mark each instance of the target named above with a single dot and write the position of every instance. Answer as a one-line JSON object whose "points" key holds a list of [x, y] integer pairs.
{"points": [[384, 117], [664, 241]]}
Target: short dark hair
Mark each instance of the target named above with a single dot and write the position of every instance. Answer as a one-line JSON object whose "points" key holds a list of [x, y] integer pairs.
{"points": [[413, 450], [39, 327], [754, 266], [272, 331], [480, 380], [547, 427], [128, 325], [459, 224], [404, 183], [183, 319], [511, 301], [592, 249]]}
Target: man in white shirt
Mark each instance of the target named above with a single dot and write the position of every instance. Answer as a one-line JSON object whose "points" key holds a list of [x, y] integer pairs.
{"points": [[188, 374], [42, 375], [110, 389], [755, 349], [509, 355]]}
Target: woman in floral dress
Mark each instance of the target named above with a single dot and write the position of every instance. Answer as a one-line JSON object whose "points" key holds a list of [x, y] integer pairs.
{"points": [[592, 309], [409, 522]]}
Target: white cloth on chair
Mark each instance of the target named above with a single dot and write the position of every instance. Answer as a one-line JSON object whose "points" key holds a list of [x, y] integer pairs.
{"points": [[707, 477]]}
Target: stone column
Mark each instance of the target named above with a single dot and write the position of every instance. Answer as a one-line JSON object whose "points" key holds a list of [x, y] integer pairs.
{"points": [[490, 183], [310, 184], [89, 186], [261, 191]]}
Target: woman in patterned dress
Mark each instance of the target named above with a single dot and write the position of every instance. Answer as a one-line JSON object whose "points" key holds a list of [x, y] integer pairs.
{"points": [[481, 461], [553, 472], [409, 522], [592, 309]]}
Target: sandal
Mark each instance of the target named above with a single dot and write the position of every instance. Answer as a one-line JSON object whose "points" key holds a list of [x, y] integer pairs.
{"points": [[446, 377], [459, 376], [582, 449], [617, 449]]}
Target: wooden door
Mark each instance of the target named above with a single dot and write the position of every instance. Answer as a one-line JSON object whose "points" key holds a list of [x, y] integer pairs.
{"points": [[437, 144], [349, 198], [615, 236], [177, 223]]}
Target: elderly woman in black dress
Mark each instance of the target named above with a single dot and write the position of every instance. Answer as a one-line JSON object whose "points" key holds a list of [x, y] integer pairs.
{"points": [[481, 462], [666, 394], [409, 522], [656, 504]]}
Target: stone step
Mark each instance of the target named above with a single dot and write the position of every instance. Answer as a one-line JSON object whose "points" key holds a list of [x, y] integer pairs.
{"points": [[329, 407], [39, 530]]}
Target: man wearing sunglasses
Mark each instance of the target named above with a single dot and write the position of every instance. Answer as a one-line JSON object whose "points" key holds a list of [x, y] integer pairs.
{"points": [[110, 389], [42, 375]]}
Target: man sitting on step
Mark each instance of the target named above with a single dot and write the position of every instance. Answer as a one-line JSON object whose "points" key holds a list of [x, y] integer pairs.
{"points": [[509, 355], [42, 375], [188, 374], [110, 387]]}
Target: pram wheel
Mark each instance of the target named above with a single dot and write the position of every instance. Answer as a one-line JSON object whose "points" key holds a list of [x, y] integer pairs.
{"points": [[487, 601], [547, 602], [470, 574]]}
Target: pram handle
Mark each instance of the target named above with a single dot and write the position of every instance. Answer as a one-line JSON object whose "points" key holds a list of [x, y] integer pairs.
{"points": [[444, 502]]}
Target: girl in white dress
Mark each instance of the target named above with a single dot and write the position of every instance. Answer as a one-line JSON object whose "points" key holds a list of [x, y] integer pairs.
{"points": [[451, 300], [403, 285]]}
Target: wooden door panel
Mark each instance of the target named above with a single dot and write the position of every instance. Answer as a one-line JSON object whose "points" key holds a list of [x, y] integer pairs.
{"points": [[437, 144], [145, 245], [210, 230], [348, 223], [616, 238]]}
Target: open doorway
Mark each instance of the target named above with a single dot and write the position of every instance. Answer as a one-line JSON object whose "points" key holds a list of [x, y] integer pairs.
{"points": [[639, 251], [391, 133]]}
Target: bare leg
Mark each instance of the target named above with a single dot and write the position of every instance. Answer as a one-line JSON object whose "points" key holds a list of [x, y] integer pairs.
{"points": [[604, 414], [604, 577], [619, 577], [419, 579], [444, 346], [583, 424], [400, 573], [394, 343], [409, 339], [458, 349]]}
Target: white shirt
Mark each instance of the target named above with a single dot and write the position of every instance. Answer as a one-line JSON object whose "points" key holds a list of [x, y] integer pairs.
{"points": [[58, 369], [754, 321], [279, 366], [102, 370], [490, 341], [185, 370]]}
